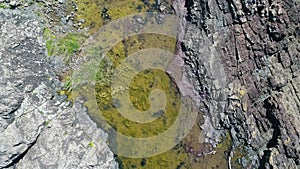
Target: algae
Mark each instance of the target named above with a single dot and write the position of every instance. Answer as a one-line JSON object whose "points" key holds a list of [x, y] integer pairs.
{"points": [[96, 13], [91, 144], [62, 45], [3, 6], [141, 86]]}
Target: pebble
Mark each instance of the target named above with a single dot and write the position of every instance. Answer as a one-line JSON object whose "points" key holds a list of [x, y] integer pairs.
{"points": [[13, 3]]}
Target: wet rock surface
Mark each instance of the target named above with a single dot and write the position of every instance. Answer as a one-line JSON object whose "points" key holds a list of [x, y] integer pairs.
{"points": [[256, 95], [39, 128]]}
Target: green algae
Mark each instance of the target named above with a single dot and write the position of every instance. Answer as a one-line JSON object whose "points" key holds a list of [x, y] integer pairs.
{"points": [[69, 44], [50, 39], [91, 144], [3, 6], [63, 45]]}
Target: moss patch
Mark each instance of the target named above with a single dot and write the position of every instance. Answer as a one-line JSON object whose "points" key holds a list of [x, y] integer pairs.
{"points": [[97, 13], [50, 41], [91, 144], [62, 45], [69, 44], [3, 6]]}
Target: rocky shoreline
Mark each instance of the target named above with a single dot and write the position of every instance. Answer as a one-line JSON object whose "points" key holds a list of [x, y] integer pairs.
{"points": [[241, 57]]}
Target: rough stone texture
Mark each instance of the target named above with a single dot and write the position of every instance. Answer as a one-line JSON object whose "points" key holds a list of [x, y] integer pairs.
{"points": [[38, 127], [242, 57], [257, 44]]}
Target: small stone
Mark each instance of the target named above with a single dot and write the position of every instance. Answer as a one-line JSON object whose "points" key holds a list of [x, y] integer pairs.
{"points": [[243, 19], [13, 3], [233, 97], [245, 106], [28, 88], [162, 8], [243, 92], [140, 20]]}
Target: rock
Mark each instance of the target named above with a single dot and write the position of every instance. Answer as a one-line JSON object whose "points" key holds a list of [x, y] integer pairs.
{"points": [[38, 127], [70, 133], [13, 4], [251, 52], [61, 1]]}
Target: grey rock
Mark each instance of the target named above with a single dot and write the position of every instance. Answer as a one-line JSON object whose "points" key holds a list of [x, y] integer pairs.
{"points": [[61, 1], [13, 3], [38, 127], [74, 141], [260, 82]]}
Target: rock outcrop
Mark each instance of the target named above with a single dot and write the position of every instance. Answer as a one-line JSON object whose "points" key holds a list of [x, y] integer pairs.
{"points": [[39, 128], [241, 56], [248, 76]]}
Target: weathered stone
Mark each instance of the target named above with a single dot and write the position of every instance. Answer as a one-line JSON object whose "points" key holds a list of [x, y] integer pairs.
{"points": [[253, 54], [38, 127]]}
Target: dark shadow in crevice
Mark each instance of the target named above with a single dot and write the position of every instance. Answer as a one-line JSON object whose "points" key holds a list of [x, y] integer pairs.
{"points": [[264, 162], [270, 109], [188, 5], [21, 156]]}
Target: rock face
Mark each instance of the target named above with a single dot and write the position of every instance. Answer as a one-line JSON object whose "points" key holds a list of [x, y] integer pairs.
{"points": [[242, 57], [38, 127], [248, 76]]}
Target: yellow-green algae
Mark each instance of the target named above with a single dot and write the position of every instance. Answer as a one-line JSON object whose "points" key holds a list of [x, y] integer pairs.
{"points": [[91, 11], [217, 159], [140, 88], [3, 6], [142, 85]]}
